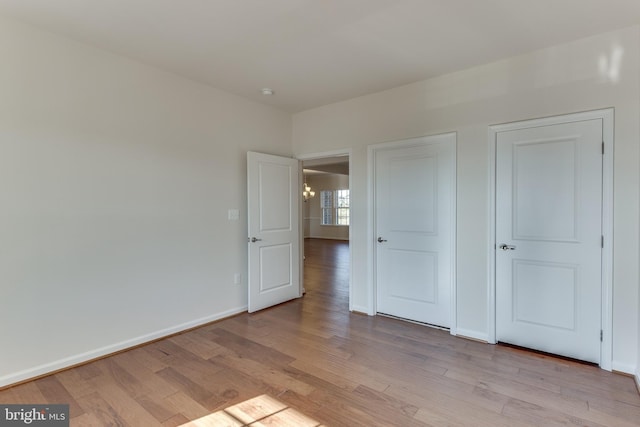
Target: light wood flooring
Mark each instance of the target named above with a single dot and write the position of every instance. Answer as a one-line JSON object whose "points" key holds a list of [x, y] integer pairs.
{"points": [[311, 362]]}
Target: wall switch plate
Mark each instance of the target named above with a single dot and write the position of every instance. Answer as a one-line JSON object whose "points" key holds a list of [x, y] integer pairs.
{"points": [[234, 214], [237, 278]]}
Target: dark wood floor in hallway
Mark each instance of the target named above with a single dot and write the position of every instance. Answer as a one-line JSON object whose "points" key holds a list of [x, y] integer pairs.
{"points": [[311, 362]]}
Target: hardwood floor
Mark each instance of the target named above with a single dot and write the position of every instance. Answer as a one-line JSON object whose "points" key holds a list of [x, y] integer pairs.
{"points": [[311, 362]]}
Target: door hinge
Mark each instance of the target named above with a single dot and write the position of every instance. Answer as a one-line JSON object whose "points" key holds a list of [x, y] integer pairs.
{"points": [[602, 242], [600, 335], [602, 147]]}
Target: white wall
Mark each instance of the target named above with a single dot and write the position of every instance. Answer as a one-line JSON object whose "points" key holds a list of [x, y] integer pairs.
{"points": [[562, 79], [115, 181], [313, 212]]}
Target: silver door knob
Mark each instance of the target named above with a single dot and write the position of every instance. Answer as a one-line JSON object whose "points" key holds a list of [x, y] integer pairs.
{"points": [[253, 240], [381, 240], [506, 247]]}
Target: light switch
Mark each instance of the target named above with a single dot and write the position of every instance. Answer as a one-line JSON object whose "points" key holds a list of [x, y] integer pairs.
{"points": [[234, 214]]}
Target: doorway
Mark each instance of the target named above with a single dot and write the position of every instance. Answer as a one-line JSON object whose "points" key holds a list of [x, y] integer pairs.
{"points": [[550, 288], [326, 221]]}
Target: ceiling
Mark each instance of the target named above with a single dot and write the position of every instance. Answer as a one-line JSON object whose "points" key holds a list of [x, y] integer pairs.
{"points": [[316, 52]]}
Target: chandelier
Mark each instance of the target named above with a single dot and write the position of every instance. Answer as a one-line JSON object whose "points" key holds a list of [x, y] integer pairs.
{"points": [[307, 193]]}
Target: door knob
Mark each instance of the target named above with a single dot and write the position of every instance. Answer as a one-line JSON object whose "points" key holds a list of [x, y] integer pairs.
{"points": [[253, 240], [506, 247], [381, 240]]}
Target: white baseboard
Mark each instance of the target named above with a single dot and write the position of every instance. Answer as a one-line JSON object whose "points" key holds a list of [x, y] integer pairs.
{"points": [[623, 367], [47, 368], [474, 335]]}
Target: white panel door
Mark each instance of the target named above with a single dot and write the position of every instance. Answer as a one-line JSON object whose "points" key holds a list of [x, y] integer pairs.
{"points": [[273, 212], [415, 223], [548, 234]]}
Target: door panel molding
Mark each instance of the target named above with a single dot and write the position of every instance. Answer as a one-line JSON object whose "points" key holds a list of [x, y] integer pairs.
{"points": [[372, 150], [607, 117]]}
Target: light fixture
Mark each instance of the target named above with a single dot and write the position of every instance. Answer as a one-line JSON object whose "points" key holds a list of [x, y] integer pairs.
{"points": [[267, 91], [307, 193]]}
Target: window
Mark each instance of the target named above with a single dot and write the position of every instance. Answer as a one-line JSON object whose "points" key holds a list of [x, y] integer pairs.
{"points": [[335, 207], [326, 203], [342, 207]]}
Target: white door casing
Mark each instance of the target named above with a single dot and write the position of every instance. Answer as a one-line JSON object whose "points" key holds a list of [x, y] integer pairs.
{"points": [[273, 226], [552, 193], [414, 208]]}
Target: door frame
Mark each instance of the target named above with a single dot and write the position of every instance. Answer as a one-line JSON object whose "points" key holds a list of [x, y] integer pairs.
{"points": [[607, 117], [371, 220], [321, 155]]}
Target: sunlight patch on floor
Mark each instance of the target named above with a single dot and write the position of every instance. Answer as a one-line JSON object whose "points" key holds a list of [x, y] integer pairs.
{"points": [[259, 411]]}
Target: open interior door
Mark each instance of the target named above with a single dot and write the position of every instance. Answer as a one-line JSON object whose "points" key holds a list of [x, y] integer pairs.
{"points": [[273, 216]]}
